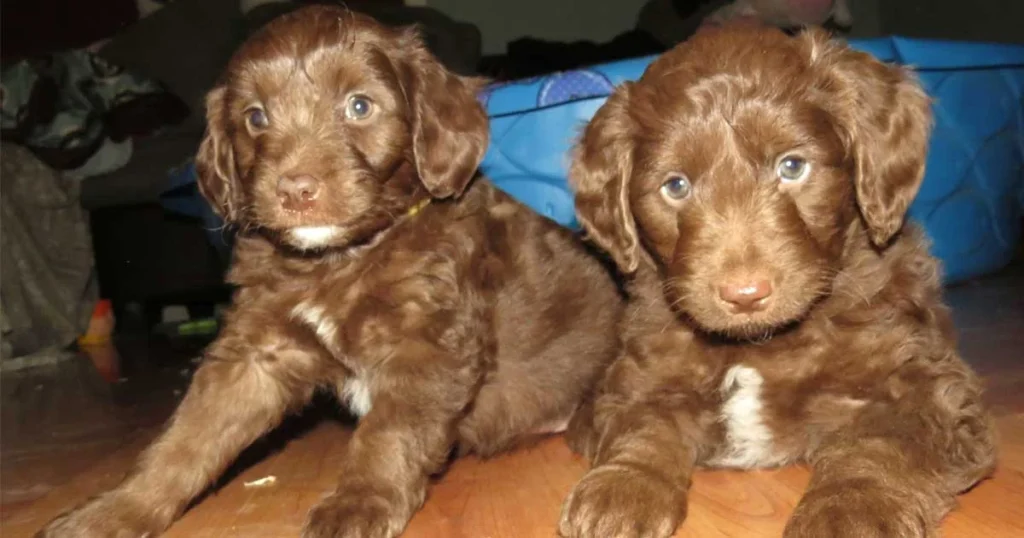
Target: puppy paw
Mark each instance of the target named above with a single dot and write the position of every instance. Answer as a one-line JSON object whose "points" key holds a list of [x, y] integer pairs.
{"points": [[106, 516], [351, 516], [620, 502], [856, 509]]}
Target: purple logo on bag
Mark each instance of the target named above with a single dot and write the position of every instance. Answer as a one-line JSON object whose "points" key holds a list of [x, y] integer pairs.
{"points": [[571, 85], [485, 95]]}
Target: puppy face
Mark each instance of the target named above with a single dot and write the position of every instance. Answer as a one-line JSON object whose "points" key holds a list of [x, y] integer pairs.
{"points": [[743, 163], [328, 127]]}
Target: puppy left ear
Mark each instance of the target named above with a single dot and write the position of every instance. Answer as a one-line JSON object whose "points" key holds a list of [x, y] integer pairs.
{"points": [[449, 125], [887, 121], [215, 160]]}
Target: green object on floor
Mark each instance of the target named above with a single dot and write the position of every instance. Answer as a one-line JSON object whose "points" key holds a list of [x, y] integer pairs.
{"points": [[197, 327]]}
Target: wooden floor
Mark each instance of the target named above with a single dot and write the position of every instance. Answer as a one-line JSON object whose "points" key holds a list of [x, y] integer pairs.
{"points": [[68, 434]]}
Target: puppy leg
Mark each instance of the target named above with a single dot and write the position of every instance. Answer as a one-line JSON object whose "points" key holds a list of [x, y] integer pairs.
{"points": [[643, 446], [896, 471], [580, 429], [417, 396], [250, 378]]}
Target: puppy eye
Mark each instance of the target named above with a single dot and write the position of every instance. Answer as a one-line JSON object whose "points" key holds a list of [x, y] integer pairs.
{"points": [[677, 187], [257, 118], [359, 107], [792, 169]]}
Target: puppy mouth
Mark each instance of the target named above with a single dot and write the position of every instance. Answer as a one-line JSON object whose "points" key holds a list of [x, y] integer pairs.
{"points": [[312, 237], [775, 318], [750, 327]]}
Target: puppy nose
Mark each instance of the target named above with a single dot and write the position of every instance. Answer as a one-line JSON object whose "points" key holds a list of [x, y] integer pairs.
{"points": [[298, 192], [746, 296]]}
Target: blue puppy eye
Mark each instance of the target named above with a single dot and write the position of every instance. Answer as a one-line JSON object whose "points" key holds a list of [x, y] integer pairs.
{"points": [[792, 169], [676, 187], [358, 107], [257, 118]]}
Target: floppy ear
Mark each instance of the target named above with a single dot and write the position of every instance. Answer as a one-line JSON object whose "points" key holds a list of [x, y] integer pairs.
{"points": [[600, 174], [449, 126], [887, 121], [215, 161]]}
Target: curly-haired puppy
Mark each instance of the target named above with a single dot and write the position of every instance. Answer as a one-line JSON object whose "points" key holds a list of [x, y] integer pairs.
{"points": [[442, 312], [754, 186]]}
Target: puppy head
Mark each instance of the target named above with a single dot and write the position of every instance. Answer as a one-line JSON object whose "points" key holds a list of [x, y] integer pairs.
{"points": [[329, 126], [744, 163]]}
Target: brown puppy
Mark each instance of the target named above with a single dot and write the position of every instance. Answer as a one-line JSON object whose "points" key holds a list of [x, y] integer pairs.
{"points": [[440, 310], [754, 186]]}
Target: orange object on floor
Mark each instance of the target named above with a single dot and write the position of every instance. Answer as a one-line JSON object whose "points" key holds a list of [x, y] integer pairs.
{"points": [[98, 344]]}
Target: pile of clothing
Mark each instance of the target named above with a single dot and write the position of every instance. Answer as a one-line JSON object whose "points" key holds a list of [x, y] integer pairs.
{"points": [[79, 114]]}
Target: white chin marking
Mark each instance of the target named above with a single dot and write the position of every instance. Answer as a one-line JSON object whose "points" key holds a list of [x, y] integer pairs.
{"points": [[309, 237]]}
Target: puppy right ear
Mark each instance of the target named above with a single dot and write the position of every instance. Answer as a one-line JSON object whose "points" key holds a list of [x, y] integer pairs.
{"points": [[600, 174], [449, 126], [885, 118], [215, 161]]}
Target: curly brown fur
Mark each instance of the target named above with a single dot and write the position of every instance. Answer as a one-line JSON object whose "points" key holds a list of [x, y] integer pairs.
{"points": [[469, 322], [780, 310]]}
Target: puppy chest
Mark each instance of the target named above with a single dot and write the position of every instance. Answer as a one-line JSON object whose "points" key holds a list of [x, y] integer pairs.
{"points": [[325, 324], [749, 440], [324, 320], [346, 321]]}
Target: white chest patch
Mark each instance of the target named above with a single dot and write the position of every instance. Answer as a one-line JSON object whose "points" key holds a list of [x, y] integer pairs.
{"points": [[748, 441], [356, 394], [316, 318]]}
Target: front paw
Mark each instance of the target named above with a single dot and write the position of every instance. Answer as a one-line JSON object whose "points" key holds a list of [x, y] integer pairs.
{"points": [[350, 515], [857, 509], [621, 502], [107, 516]]}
